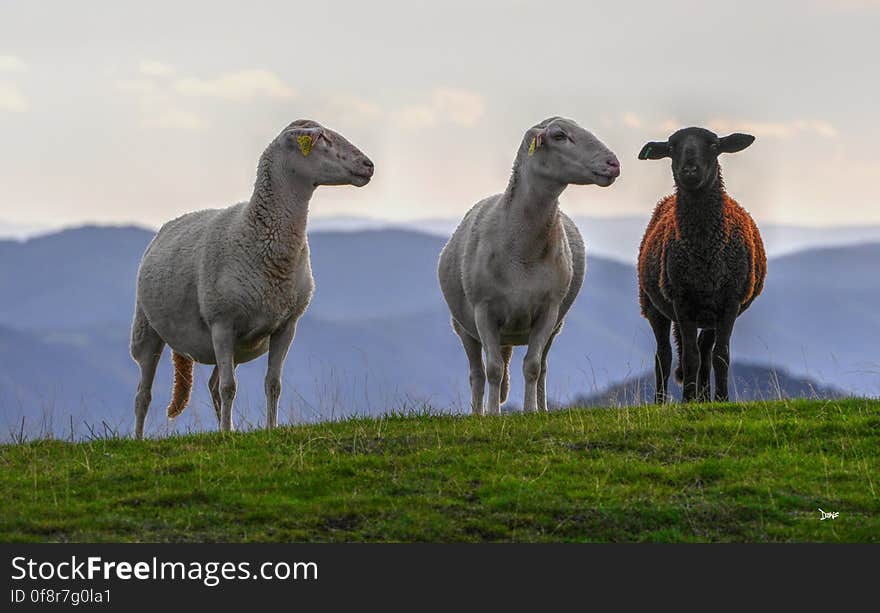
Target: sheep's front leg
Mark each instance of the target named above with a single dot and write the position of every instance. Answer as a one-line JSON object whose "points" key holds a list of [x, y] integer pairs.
{"points": [[690, 359], [490, 338], [279, 344], [706, 340], [224, 355], [539, 338], [542, 378], [721, 355]]}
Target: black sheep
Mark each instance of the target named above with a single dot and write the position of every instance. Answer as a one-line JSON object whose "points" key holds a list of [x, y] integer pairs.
{"points": [[701, 263]]}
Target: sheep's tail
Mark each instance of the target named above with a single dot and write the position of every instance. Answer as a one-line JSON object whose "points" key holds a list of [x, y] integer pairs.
{"points": [[183, 382], [506, 352], [676, 336]]}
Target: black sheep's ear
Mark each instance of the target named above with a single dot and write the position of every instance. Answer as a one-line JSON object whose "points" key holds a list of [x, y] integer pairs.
{"points": [[734, 142], [654, 151]]}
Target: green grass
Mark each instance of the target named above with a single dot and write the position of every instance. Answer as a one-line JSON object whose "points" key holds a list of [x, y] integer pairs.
{"points": [[720, 472]]}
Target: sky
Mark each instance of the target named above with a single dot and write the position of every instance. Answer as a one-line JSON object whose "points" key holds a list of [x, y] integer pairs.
{"points": [[118, 112]]}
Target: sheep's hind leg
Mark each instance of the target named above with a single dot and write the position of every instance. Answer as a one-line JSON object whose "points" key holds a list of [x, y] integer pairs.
{"points": [[146, 349], [474, 351], [542, 378], [490, 338], [539, 337], [279, 344], [706, 342], [224, 355], [506, 354], [663, 358], [214, 389]]}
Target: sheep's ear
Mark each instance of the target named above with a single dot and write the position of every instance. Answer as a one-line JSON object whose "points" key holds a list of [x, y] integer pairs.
{"points": [[537, 140], [654, 151], [734, 142], [304, 139]]}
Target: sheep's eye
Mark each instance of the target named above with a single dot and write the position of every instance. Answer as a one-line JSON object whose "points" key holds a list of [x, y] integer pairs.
{"points": [[559, 136], [713, 146]]}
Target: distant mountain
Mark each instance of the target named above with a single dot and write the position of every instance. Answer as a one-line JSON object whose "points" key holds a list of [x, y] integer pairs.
{"points": [[619, 237], [375, 274], [22, 231], [612, 237], [79, 277], [747, 382], [52, 380], [377, 335]]}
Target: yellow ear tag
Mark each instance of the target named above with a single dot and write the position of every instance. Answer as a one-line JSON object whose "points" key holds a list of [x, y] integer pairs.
{"points": [[532, 146], [305, 143]]}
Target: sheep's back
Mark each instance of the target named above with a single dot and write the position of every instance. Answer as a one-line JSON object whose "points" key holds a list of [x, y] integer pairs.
{"points": [[452, 257], [173, 255], [168, 278]]}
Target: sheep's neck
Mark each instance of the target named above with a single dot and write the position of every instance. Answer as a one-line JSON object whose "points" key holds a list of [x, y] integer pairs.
{"points": [[700, 215], [532, 216], [277, 214]]}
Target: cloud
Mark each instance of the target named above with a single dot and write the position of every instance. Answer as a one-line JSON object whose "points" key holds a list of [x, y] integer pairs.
{"points": [[143, 87], [416, 116], [176, 118], [159, 97], [775, 129], [459, 106], [850, 5], [10, 63], [632, 120], [11, 99], [447, 105], [153, 68], [157, 108], [347, 104], [238, 86]]}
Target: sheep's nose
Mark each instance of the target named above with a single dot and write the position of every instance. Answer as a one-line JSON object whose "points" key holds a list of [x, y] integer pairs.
{"points": [[367, 163], [689, 169], [613, 166]]}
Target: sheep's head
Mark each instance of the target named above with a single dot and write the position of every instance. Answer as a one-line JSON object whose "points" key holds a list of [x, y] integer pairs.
{"points": [[561, 151], [694, 153], [321, 156]]}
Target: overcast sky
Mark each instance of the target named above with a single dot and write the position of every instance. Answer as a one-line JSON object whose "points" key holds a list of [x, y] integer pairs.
{"points": [[140, 111]]}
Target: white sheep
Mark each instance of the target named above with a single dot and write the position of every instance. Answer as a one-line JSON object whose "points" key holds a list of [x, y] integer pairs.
{"points": [[224, 286], [516, 262]]}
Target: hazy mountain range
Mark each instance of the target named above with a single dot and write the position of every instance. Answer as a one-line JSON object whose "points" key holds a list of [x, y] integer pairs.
{"points": [[613, 237], [376, 337], [747, 381], [619, 237]]}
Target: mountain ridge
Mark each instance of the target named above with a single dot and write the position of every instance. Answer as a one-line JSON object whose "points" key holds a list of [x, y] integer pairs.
{"points": [[377, 335]]}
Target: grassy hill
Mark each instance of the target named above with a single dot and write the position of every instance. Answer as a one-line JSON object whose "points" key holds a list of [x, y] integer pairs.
{"points": [[721, 472]]}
